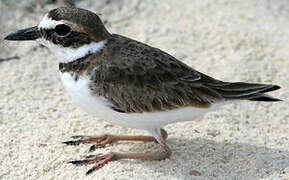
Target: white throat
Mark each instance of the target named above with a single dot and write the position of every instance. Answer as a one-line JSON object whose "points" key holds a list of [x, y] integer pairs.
{"points": [[67, 54]]}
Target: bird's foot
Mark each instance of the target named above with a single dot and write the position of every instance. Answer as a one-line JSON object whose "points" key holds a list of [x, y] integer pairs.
{"points": [[100, 141], [103, 140], [98, 160]]}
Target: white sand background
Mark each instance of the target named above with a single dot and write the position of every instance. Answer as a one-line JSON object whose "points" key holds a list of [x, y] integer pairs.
{"points": [[245, 40]]}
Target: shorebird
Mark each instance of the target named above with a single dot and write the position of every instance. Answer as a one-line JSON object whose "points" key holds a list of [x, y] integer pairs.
{"points": [[129, 83]]}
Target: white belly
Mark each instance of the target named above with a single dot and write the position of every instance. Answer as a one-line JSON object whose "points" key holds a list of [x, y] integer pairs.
{"points": [[101, 108]]}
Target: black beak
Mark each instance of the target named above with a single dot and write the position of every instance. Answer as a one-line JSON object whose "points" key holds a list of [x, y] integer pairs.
{"points": [[24, 34]]}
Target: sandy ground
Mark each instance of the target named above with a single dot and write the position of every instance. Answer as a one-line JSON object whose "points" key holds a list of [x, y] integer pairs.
{"points": [[231, 40]]}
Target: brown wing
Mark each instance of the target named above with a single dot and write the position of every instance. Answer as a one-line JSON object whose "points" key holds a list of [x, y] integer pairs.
{"points": [[139, 78], [135, 77]]}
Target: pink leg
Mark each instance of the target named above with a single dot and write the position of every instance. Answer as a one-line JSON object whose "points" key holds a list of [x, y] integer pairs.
{"points": [[103, 140], [101, 159]]}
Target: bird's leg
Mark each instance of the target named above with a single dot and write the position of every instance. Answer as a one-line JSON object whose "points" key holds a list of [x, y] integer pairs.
{"points": [[101, 159], [103, 140]]}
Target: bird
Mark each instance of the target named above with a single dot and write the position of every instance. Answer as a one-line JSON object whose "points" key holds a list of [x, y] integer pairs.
{"points": [[129, 83]]}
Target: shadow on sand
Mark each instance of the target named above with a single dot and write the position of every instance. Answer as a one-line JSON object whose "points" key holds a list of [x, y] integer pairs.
{"points": [[206, 159]]}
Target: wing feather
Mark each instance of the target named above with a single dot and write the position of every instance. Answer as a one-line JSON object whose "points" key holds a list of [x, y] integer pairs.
{"points": [[135, 77], [139, 78]]}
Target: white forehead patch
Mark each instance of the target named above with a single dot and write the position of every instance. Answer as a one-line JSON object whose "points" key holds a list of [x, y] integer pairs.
{"points": [[48, 23]]}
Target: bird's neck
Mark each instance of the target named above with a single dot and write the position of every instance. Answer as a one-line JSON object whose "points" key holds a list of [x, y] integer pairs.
{"points": [[68, 55], [76, 66]]}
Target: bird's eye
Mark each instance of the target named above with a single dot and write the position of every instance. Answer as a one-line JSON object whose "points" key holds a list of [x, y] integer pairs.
{"points": [[62, 30]]}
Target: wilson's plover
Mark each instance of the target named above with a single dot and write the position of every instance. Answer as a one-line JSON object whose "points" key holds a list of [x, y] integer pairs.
{"points": [[129, 83]]}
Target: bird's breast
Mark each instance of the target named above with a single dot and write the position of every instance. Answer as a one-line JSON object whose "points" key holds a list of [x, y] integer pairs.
{"points": [[78, 88]]}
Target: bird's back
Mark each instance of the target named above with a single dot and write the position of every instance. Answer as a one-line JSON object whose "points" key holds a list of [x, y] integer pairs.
{"points": [[136, 77]]}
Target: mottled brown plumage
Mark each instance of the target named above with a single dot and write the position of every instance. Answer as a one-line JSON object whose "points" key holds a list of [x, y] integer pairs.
{"points": [[135, 77]]}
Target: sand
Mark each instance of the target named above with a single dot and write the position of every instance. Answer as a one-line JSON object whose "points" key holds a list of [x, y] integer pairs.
{"points": [[231, 40]]}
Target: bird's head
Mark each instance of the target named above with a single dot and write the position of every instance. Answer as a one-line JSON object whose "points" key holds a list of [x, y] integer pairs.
{"points": [[72, 32]]}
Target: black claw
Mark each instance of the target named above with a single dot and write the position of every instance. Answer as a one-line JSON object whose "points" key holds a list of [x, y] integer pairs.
{"points": [[76, 137], [92, 148], [89, 156], [90, 170], [76, 162], [73, 162], [71, 142]]}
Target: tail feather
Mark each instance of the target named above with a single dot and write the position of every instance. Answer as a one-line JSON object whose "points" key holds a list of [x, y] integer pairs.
{"points": [[272, 88], [242, 91], [265, 97]]}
